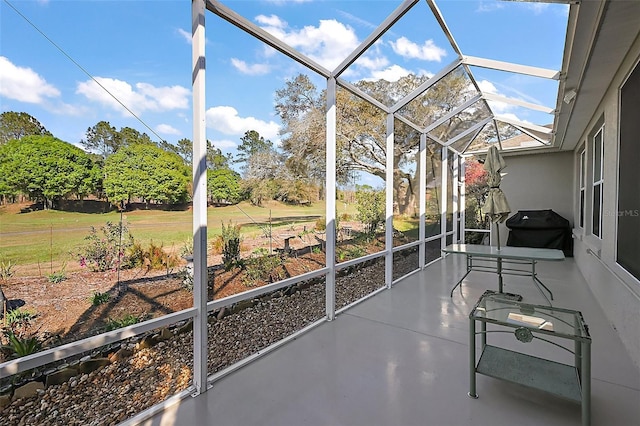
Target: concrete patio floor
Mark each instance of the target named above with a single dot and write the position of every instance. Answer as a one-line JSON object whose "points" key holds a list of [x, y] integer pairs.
{"points": [[401, 358]]}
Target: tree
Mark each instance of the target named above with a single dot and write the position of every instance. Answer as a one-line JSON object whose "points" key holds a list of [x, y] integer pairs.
{"points": [[223, 185], [476, 189], [47, 169], [102, 139], [128, 136], [185, 150], [252, 143], [301, 110], [370, 207], [16, 125], [216, 159], [361, 127], [148, 172]]}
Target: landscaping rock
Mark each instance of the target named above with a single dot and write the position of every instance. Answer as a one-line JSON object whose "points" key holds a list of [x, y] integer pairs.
{"points": [[60, 376], [27, 391], [120, 355], [5, 400], [147, 341], [93, 365], [165, 334], [185, 328]]}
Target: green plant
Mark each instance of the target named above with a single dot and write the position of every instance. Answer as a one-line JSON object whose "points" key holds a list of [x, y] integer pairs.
{"points": [[186, 249], [263, 268], [127, 320], [153, 257], [58, 276], [6, 269], [107, 249], [350, 253], [231, 248], [260, 251], [370, 206], [20, 346], [19, 318], [316, 250], [98, 298]]}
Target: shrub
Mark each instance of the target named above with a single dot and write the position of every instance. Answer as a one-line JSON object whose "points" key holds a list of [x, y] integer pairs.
{"points": [[263, 269], [321, 224], [216, 245], [106, 248], [153, 257], [231, 245], [370, 204], [98, 298]]}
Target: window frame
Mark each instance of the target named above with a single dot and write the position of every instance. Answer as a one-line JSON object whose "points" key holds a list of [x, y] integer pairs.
{"points": [[582, 187], [597, 182]]}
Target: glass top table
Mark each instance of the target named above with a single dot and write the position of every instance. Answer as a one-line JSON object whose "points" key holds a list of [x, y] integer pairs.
{"points": [[508, 261], [532, 323], [495, 308]]}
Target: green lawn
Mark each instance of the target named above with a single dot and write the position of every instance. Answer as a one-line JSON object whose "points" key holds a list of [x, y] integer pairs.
{"points": [[43, 236]]}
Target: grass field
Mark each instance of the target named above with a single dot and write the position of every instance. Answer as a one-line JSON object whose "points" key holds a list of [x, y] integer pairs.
{"points": [[50, 236]]}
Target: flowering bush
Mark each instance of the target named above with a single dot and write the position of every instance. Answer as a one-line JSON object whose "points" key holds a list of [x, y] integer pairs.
{"points": [[106, 249]]}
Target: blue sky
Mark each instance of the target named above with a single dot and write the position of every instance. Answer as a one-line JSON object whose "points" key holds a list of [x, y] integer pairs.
{"points": [[141, 52]]}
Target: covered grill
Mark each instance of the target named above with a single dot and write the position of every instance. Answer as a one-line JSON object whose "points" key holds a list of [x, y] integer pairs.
{"points": [[540, 229]]}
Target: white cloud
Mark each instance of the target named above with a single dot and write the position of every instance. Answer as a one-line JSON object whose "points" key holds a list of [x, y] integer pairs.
{"points": [[512, 116], [328, 44], [254, 69], [167, 129], [282, 2], [184, 34], [224, 144], [537, 8], [24, 84], [487, 86], [144, 97], [372, 63], [496, 106], [225, 119], [391, 74], [427, 52], [489, 6]]}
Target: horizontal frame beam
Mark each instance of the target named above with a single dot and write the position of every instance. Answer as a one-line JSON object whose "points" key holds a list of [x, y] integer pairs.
{"points": [[510, 67]]}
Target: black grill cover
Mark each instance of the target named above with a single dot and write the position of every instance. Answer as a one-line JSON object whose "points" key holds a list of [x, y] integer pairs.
{"points": [[541, 229]]}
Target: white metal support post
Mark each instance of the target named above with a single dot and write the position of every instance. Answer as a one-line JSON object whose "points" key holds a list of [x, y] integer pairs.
{"points": [[444, 197], [330, 245], [199, 198], [455, 193], [463, 198], [388, 276], [422, 176]]}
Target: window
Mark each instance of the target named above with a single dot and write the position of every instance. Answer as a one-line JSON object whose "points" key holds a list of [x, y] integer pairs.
{"points": [[598, 180], [628, 220], [583, 185]]}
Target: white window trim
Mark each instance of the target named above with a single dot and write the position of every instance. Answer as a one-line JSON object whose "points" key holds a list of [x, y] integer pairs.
{"points": [[599, 182]]}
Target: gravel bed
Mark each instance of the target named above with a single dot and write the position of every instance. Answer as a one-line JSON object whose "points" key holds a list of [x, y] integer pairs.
{"points": [[128, 386]]}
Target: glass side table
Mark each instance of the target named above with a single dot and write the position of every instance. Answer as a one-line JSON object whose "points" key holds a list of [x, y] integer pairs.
{"points": [[531, 323]]}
